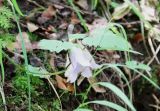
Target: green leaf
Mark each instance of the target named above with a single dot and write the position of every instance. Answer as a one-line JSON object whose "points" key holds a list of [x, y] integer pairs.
{"points": [[135, 65], [109, 104], [38, 71], [55, 45], [1, 63], [82, 109], [76, 36], [148, 79], [17, 7], [94, 4], [107, 40], [119, 93]]}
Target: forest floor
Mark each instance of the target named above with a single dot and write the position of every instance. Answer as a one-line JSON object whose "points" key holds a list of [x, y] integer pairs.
{"points": [[55, 20]]}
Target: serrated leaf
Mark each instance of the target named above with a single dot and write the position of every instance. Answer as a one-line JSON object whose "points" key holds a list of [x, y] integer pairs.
{"points": [[55, 45], [119, 93], [135, 65], [106, 40]]}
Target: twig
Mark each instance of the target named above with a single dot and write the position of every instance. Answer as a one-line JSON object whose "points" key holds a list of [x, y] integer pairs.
{"points": [[143, 36], [130, 23], [35, 3], [135, 78], [54, 91], [152, 49], [154, 106], [157, 50]]}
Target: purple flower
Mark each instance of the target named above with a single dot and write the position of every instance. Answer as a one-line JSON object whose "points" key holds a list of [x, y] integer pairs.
{"points": [[82, 63]]}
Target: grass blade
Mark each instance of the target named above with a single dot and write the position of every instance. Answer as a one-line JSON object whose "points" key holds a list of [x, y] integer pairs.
{"points": [[118, 92], [17, 7]]}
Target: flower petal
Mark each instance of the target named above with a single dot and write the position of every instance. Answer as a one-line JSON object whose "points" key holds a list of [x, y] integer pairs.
{"points": [[87, 72], [90, 58], [73, 72], [71, 76], [77, 56]]}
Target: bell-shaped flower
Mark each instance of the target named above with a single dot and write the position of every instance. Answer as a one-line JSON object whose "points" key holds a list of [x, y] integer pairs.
{"points": [[81, 62]]}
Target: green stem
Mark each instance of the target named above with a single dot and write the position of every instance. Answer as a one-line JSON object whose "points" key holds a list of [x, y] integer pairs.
{"points": [[79, 15], [3, 97], [25, 57]]}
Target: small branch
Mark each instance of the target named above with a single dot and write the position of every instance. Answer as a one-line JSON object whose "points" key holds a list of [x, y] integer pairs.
{"points": [[54, 91]]}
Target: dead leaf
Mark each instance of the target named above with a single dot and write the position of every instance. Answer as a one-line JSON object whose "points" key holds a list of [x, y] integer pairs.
{"points": [[64, 25], [62, 84], [50, 28], [49, 12], [74, 19], [80, 80], [47, 15], [35, 61], [96, 88], [17, 45], [32, 27], [42, 20], [83, 4], [53, 36], [121, 11], [102, 22], [58, 6], [154, 32], [26, 39], [149, 11]]}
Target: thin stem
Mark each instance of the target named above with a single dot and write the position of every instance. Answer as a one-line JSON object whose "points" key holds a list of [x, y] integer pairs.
{"points": [[144, 41], [79, 15], [3, 97], [54, 91], [25, 55]]}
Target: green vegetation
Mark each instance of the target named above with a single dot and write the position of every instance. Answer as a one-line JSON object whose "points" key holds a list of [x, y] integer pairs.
{"points": [[40, 80]]}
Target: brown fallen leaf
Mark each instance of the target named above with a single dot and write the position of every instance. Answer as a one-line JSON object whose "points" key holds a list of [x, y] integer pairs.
{"points": [[42, 20], [64, 25], [96, 88], [80, 80], [102, 22], [154, 32], [35, 61], [17, 45], [49, 12], [83, 4], [74, 19], [149, 10], [26, 39], [62, 84], [47, 15], [121, 11], [32, 27]]}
